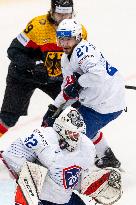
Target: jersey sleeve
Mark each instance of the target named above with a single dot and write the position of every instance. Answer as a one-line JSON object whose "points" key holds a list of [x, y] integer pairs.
{"points": [[26, 147], [16, 154], [31, 36], [35, 142], [90, 63], [21, 56], [24, 50]]}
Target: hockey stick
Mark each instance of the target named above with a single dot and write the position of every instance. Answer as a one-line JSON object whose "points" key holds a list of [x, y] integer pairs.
{"points": [[130, 87], [9, 169], [59, 110], [13, 174], [63, 106]]}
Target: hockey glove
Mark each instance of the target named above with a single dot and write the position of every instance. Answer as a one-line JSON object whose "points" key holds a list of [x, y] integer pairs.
{"points": [[48, 118], [103, 185], [39, 74], [72, 91], [76, 75]]}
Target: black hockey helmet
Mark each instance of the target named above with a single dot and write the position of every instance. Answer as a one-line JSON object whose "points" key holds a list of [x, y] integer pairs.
{"points": [[61, 3]]}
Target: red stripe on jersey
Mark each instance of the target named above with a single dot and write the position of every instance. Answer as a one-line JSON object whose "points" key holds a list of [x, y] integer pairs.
{"points": [[99, 139], [44, 48], [50, 47], [32, 44], [3, 129]]}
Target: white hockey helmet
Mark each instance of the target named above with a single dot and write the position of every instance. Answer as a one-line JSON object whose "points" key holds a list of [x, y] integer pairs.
{"points": [[69, 28], [69, 125]]}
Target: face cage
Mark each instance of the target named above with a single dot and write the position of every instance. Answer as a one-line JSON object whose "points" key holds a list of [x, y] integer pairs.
{"points": [[64, 140]]}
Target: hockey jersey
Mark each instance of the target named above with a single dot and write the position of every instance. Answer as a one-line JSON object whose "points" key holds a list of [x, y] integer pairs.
{"points": [[64, 168], [103, 87], [40, 34]]}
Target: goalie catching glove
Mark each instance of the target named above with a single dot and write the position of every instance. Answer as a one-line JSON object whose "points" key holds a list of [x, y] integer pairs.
{"points": [[103, 185]]}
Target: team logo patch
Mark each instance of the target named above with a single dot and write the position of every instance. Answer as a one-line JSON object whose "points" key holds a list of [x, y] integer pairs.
{"points": [[70, 176], [53, 63]]}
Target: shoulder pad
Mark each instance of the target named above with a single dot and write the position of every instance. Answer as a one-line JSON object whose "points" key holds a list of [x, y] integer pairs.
{"points": [[40, 30], [35, 140]]}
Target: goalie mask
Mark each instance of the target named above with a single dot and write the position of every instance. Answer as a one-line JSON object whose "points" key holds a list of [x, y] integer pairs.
{"points": [[69, 125]]}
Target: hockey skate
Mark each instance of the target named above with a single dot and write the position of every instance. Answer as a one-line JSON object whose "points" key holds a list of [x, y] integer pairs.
{"points": [[108, 160]]}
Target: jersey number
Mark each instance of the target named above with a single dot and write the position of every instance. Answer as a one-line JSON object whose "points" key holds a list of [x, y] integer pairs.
{"points": [[29, 28], [84, 49], [80, 51], [30, 141], [110, 70]]}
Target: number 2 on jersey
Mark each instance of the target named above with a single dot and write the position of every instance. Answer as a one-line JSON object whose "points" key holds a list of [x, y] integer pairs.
{"points": [[30, 141], [80, 51]]}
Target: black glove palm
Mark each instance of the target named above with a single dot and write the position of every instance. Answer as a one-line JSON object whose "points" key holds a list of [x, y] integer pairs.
{"points": [[48, 118]]}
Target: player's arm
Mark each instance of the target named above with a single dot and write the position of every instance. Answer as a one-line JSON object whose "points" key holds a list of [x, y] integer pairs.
{"points": [[25, 148], [16, 155], [22, 56], [19, 158], [60, 103], [26, 55], [27, 61]]}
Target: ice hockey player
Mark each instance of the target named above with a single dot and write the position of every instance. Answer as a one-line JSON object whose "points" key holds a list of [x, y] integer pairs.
{"points": [[68, 155], [35, 63], [98, 85]]}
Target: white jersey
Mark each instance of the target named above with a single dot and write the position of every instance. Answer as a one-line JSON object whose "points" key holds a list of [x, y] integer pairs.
{"points": [[64, 167], [103, 87]]}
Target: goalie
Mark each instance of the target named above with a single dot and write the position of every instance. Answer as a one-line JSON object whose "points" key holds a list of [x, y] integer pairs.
{"points": [[67, 159]]}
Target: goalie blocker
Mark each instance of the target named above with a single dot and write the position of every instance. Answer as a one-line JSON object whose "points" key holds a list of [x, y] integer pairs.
{"points": [[31, 180]]}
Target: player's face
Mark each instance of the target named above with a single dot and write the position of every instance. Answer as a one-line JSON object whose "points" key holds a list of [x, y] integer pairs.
{"points": [[67, 44], [74, 136], [58, 17]]}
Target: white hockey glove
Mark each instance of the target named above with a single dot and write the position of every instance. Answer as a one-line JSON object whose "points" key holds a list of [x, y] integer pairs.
{"points": [[103, 185]]}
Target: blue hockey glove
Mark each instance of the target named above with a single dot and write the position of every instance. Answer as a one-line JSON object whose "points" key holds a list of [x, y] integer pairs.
{"points": [[72, 91], [48, 118]]}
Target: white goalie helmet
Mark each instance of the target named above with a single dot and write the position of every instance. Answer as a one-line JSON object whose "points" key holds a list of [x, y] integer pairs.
{"points": [[69, 125], [69, 28]]}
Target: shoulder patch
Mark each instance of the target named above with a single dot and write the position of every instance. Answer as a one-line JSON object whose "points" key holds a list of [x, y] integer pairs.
{"points": [[23, 39]]}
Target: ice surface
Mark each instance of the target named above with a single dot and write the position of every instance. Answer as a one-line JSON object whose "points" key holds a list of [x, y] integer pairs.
{"points": [[111, 27]]}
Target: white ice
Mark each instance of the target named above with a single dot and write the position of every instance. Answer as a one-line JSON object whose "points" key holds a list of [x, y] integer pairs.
{"points": [[111, 26]]}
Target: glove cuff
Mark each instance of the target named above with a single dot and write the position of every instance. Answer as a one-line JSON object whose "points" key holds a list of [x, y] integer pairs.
{"points": [[52, 108]]}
